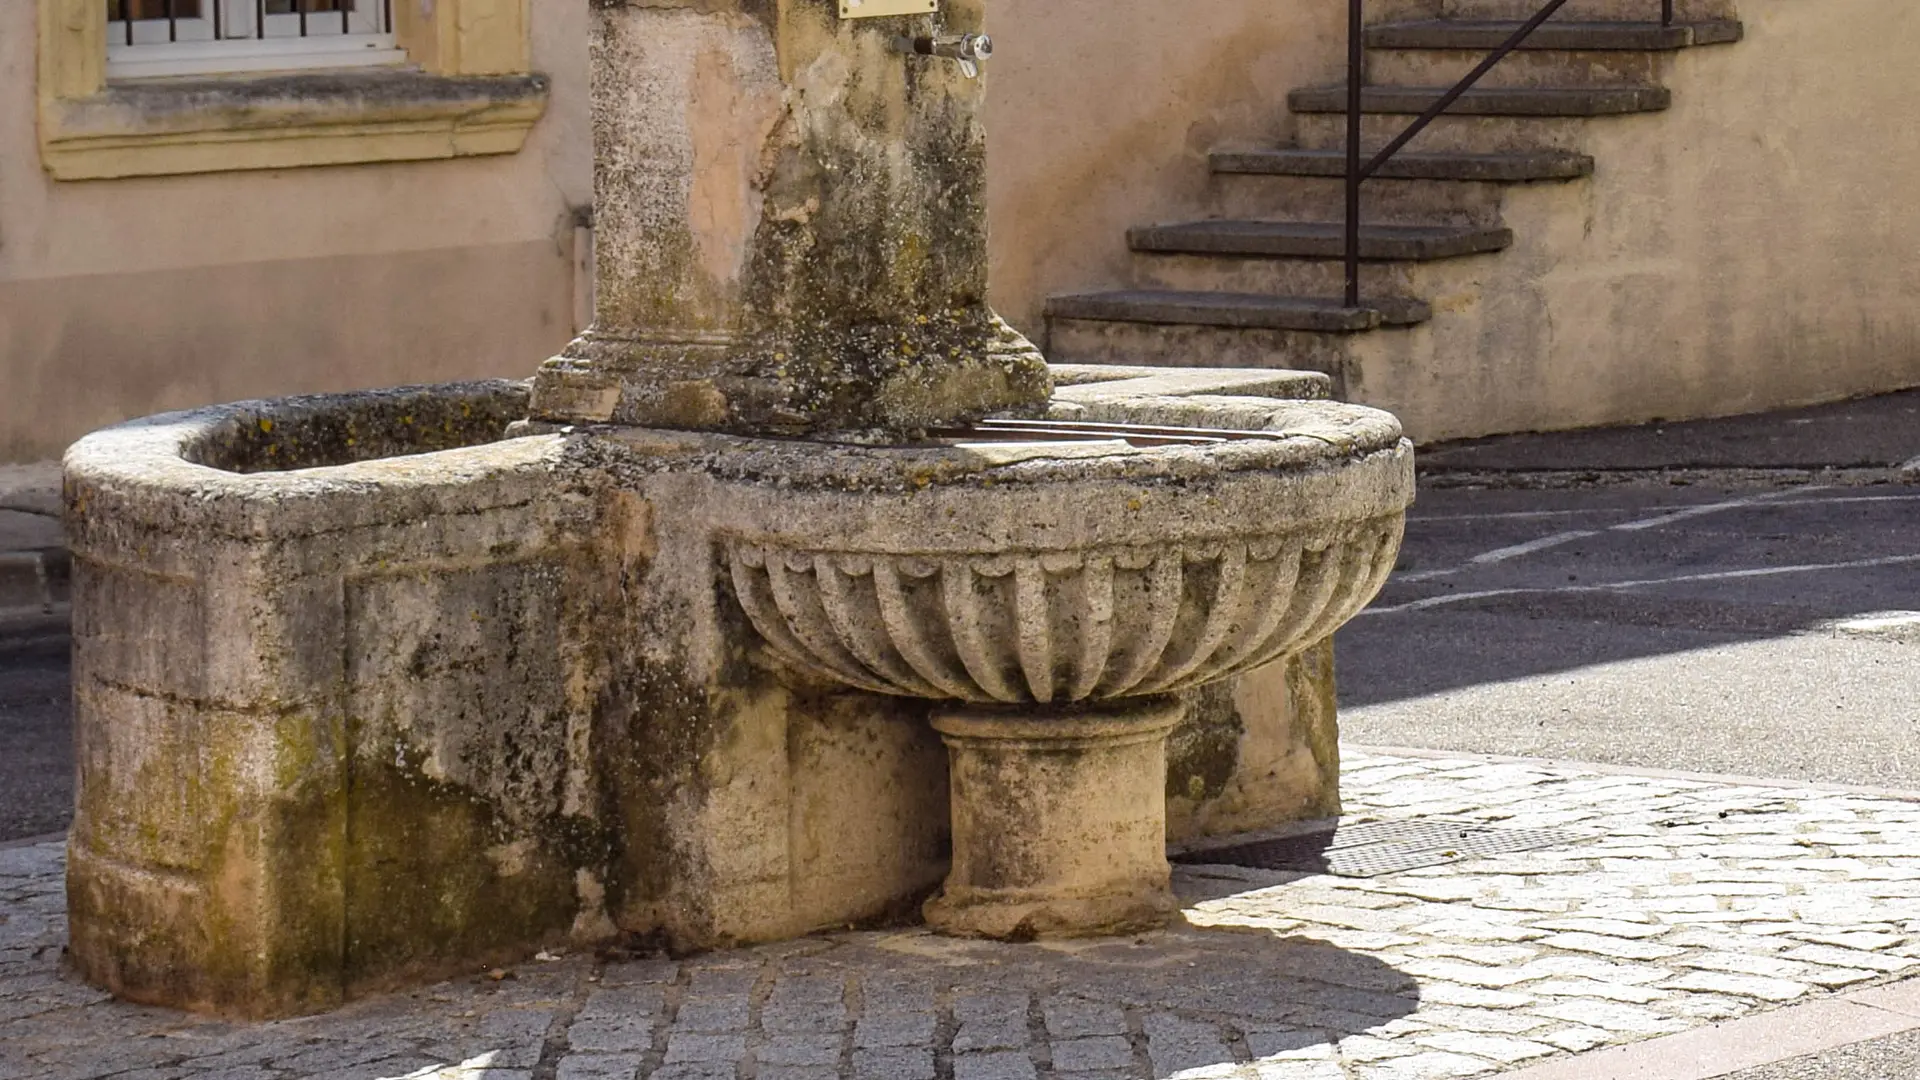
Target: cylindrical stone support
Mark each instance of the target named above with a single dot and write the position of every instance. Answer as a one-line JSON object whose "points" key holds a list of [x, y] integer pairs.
{"points": [[1059, 821]]}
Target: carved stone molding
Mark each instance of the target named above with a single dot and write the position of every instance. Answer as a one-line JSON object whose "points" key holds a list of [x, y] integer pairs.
{"points": [[1059, 627]]}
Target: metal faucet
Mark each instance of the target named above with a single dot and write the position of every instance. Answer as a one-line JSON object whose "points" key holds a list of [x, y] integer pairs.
{"points": [[967, 49]]}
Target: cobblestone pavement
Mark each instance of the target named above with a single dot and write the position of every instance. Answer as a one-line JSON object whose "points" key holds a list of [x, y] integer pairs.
{"points": [[1690, 902]]}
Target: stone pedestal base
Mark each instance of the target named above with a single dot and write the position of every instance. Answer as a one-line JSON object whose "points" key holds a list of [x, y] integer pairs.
{"points": [[1059, 822]]}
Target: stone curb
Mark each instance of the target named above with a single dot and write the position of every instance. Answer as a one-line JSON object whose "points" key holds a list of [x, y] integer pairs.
{"points": [[1724, 779], [34, 841], [1751, 1041]]}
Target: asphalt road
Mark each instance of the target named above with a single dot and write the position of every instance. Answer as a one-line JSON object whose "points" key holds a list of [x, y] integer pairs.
{"points": [[1751, 630]]}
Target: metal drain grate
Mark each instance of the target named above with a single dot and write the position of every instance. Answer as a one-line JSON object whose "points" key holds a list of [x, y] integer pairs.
{"points": [[1381, 847]]}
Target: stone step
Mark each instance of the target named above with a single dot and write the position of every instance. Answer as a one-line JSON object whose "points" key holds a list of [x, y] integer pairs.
{"points": [[1318, 240], [1558, 68], [1253, 276], [1489, 34], [1453, 132], [1237, 311], [1583, 101], [1256, 197], [1685, 11], [1191, 345], [1514, 167]]}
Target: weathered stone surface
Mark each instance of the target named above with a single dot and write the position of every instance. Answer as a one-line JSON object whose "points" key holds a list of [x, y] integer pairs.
{"points": [[350, 716], [790, 229], [1059, 821]]}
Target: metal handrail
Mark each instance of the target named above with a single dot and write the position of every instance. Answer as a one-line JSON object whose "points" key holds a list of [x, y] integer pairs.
{"points": [[1357, 173]]}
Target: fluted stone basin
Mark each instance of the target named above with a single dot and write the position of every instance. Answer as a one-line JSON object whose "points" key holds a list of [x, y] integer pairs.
{"points": [[1050, 573], [1058, 627], [1057, 594]]}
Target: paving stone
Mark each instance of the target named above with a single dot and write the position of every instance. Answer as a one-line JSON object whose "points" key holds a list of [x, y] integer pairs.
{"points": [[1468, 931], [1476, 954], [736, 980], [894, 1029], [599, 1067], [1003, 1065], [1069, 1018], [1611, 1016], [990, 1007], [1577, 1039], [639, 973], [713, 1014], [1435, 1065], [694, 1046], [1484, 1021], [1298, 1070], [409, 1066], [623, 1001], [1094, 1052], [1594, 988], [1367, 1048], [804, 1016], [611, 1033], [1356, 940], [1586, 967], [797, 1072], [1292, 1044], [995, 1034], [328, 1058], [1834, 978], [1863, 942], [1491, 978], [798, 1050], [1704, 1006], [1502, 1048], [1851, 958], [1175, 1043], [1618, 948], [1644, 927], [1754, 986], [893, 1063], [696, 1070], [1445, 993]]}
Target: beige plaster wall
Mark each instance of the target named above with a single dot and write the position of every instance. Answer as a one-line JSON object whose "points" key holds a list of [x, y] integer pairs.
{"points": [[1101, 114], [1755, 247], [125, 297]]}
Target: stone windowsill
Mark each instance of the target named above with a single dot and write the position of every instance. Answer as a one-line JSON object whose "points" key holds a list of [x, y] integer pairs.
{"points": [[226, 123]]}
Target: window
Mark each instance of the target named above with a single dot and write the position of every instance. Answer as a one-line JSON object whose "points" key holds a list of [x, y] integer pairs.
{"points": [[425, 79], [147, 38]]}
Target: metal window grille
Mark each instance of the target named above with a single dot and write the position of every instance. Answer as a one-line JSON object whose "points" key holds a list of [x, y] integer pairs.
{"points": [[164, 37]]}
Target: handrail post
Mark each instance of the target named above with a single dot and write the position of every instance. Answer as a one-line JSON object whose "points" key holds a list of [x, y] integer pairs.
{"points": [[1356, 62]]}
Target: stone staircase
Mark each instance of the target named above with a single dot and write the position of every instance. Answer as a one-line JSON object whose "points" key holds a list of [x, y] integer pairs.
{"points": [[1259, 282]]}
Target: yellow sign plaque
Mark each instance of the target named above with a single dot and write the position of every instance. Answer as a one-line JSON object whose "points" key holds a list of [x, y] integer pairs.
{"points": [[873, 9]]}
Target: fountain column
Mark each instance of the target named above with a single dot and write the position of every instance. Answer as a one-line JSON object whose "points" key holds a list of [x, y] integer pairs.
{"points": [[1059, 821], [790, 226]]}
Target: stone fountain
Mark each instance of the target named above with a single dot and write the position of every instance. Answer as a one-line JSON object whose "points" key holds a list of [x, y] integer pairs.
{"points": [[798, 591]]}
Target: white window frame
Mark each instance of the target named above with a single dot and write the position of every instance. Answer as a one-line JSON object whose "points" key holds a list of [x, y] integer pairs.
{"points": [[193, 50]]}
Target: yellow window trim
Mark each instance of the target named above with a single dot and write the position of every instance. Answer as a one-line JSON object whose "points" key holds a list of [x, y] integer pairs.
{"points": [[470, 92]]}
